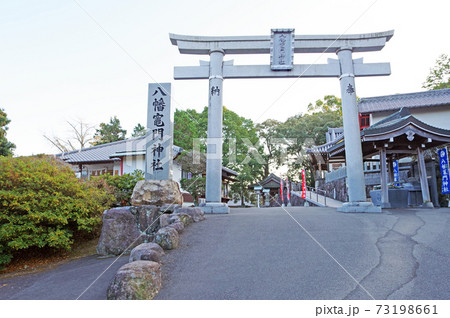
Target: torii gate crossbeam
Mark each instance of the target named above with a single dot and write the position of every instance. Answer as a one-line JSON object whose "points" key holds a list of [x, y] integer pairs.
{"points": [[282, 45]]}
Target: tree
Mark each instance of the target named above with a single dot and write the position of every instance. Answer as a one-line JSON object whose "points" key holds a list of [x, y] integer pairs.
{"points": [[267, 132], [439, 76], [308, 130], [189, 125], [139, 131], [109, 132], [329, 103], [6, 147], [80, 136]]}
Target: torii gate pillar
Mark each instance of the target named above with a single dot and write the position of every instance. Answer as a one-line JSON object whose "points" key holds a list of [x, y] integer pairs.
{"points": [[353, 150], [214, 141]]}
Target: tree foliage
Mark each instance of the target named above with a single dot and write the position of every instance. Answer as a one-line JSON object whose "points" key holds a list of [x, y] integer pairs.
{"points": [[79, 137], [6, 147], [120, 186], [139, 131], [329, 103], [43, 205], [109, 132], [188, 126], [439, 76]]}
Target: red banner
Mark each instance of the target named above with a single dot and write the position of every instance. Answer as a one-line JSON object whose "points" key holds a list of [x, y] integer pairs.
{"points": [[303, 185], [288, 191], [281, 191]]}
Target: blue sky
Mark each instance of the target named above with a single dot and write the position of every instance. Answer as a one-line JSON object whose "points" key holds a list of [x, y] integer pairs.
{"points": [[57, 64]]}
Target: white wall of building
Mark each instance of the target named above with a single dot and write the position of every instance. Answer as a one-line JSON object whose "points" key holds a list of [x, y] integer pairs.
{"points": [[437, 116], [132, 163]]}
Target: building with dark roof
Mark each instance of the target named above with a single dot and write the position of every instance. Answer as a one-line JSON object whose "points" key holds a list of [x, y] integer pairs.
{"points": [[393, 127]]}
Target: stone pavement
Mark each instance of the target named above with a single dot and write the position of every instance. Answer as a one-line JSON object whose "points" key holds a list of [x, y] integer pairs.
{"points": [[265, 254], [304, 253]]}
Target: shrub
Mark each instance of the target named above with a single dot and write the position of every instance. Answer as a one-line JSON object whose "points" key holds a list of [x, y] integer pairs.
{"points": [[43, 204], [122, 186]]}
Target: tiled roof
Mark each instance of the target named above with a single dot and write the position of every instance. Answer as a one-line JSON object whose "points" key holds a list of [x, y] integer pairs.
{"points": [[412, 100], [103, 152]]}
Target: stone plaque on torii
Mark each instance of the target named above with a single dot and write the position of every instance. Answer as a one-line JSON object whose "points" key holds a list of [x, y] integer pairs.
{"points": [[282, 45]]}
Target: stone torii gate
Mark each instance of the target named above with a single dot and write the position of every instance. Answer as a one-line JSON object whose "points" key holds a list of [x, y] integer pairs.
{"points": [[281, 45]]}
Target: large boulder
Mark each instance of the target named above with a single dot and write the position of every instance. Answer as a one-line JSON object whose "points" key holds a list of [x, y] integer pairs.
{"points": [[156, 192], [119, 231], [185, 218], [126, 227], [179, 226], [146, 218], [147, 252], [136, 280], [197, 214], [167, 238]]}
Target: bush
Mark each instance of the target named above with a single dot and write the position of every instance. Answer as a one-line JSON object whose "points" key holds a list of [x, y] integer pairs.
{"points": [[122, 186], [43, 204]]}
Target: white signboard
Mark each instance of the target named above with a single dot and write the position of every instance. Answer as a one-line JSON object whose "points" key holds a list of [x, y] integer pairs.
{"points": [[282, 50], [159, 136]]}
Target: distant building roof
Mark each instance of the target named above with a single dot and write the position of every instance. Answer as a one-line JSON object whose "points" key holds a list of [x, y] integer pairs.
{"points": [[411, 100], [109, 152]]}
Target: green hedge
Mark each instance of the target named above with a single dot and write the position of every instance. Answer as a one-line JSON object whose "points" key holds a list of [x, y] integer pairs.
{"points": [[121, 186], [43, 204]]}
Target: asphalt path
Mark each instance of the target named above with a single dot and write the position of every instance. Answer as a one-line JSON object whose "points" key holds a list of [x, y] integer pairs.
{"points": [[312, 253], [276, 253]]}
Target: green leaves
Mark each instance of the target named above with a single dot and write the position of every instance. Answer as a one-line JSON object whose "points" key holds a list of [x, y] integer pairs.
{"points": [[109, 132], [439, 76], [120, 186], [6, 147], [43, 204]]}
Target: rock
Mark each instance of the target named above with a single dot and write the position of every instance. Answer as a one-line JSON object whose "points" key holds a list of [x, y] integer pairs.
{"points": [[185, 218], [174, 219], [167, 238], [119, 231], [197, 214], [156, 192], [136, 280], [146, 218], [122, 226], [147, 252], [169, 208], [164, 220], [178, 226]]}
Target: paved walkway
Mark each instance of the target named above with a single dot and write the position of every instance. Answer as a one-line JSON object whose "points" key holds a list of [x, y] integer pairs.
{"points": [[304, 253]]}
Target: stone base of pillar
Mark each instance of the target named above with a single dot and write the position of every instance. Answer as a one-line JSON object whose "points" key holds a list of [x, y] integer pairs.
{"points": [[386, 205], [427, 205], [359, 207], [215, 208]]}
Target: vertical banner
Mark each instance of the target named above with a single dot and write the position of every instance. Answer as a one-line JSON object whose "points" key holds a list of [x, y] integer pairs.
{"points": [[281, 192], [443, 163], [158, 155], [288, 192], [303, 184], [396, 173]]}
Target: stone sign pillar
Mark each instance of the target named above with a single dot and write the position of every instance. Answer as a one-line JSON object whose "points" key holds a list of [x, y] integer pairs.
{"points": [[353, 150], [384, 180], [159, 141], [213, 190], [423, 179]]}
